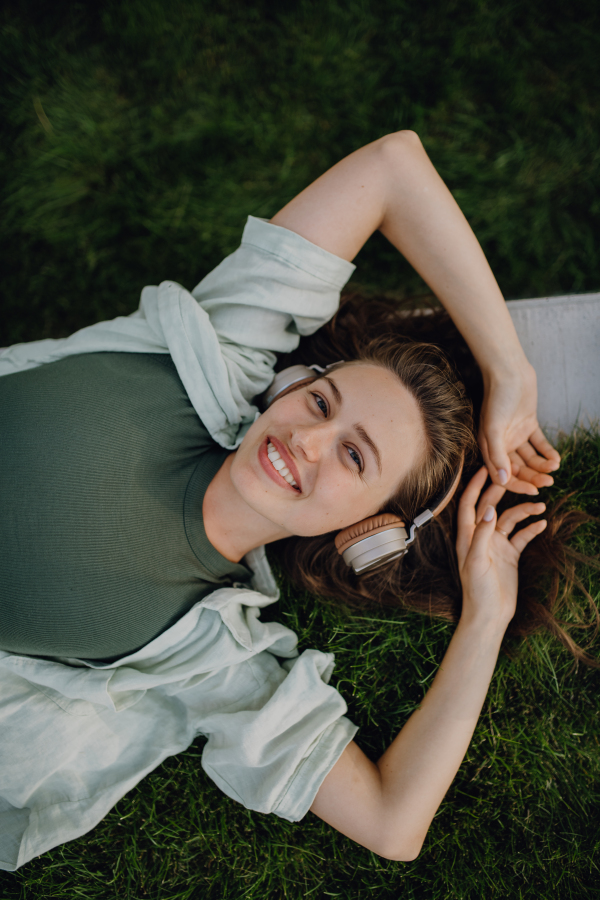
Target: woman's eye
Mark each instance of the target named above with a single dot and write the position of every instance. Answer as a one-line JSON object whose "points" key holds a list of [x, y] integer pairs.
{"points": [[321, 404], [355, 457]]}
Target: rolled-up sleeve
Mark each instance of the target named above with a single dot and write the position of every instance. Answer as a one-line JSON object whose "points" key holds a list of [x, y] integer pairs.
{"points": [[272, 750], [275, 287]]}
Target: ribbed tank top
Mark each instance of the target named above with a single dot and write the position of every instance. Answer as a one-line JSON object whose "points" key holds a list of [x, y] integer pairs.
{"points": [[104, 465]]}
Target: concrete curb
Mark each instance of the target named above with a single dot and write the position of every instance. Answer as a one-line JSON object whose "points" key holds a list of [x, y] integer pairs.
{"points": [[561, 338]]}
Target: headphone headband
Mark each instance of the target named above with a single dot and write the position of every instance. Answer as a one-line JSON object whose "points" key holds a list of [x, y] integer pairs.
{"points": [[291, 378], [288, 379]]}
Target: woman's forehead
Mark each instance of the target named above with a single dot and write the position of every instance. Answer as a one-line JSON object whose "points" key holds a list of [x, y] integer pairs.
{"points": [[361, 380], [375, 399]]}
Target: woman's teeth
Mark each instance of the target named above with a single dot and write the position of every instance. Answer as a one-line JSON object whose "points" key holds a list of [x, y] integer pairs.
{"points": [[278, 463]]}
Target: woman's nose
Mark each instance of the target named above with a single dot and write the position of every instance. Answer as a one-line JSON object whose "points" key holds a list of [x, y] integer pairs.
{"points": [[311, 440]]}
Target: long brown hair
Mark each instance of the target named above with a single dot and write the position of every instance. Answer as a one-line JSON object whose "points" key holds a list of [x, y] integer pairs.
{"points": [[431, 359]]}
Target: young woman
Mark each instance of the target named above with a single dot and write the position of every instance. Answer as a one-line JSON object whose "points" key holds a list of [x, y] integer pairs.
{"points": [[131, 532]]}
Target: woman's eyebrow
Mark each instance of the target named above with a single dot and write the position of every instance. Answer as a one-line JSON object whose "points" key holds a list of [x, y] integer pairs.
{"points": [[334, 388], [370, 444], [361, 431]]}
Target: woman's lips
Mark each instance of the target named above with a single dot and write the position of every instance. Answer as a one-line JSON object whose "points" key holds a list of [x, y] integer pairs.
{"points": [[271, 471]]}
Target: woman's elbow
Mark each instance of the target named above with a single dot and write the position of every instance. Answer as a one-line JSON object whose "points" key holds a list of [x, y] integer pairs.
{"points": [[398, 154], [404, 850], [397, 141]]}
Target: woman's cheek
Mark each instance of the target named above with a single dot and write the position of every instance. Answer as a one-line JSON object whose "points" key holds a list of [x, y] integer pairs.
{"points": [[338, 503]]}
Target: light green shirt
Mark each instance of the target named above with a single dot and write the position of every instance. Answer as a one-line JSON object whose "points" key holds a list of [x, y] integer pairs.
{"points": [[74, 735]]}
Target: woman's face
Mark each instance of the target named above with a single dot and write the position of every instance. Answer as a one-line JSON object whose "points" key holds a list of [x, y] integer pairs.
{"points": [[348, 439]]}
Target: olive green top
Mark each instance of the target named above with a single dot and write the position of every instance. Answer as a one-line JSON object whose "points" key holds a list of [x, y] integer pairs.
{"points": [[103, 468]]}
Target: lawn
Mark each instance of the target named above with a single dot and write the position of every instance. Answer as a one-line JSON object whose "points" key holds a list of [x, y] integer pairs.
{"points": [[136, 138]]}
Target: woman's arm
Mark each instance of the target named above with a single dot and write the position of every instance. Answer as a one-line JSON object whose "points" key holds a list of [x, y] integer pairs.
{"points": [[388, 807], [391, 185]]}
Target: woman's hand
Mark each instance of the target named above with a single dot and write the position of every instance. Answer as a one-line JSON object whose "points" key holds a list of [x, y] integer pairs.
{"points": [[487, 554], [514, 448]]}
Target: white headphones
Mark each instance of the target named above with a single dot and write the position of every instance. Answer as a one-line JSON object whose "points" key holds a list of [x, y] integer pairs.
{"points": [[290, 379], [379, 539]]}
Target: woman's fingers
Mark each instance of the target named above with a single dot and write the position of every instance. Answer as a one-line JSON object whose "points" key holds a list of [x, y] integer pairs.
{"points": [[470, 495], [493, 448], [522, 487], [526, 480], [467, 513], [531, 458], [492, 495], [539, 453], [484, 531], [472, 491], [527, 534], [529, 469], [522, 472], [514, 515]]}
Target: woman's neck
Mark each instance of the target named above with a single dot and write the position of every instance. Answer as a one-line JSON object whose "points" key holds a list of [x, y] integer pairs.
{"points": [[233, 527]]}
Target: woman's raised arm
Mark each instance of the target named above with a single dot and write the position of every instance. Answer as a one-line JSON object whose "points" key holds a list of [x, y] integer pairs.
{"points": [[391, 185], [388, 807]]}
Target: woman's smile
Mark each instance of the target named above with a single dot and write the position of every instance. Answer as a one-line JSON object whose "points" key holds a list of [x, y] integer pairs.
{"points": [[275, 459]]}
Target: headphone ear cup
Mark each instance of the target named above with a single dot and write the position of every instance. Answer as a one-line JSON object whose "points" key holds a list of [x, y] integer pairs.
{"points": [[370, 543], [288, 380], [372, 525]]}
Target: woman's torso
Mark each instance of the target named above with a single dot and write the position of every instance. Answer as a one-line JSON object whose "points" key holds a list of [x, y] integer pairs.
{"points": [[103, 468]]}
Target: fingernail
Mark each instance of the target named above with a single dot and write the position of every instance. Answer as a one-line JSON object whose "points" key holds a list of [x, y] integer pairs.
{"points": [[488, 514], [503, 476]]}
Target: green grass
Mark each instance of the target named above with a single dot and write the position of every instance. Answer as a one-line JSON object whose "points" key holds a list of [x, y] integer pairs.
{"points": [[136, 137]]}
